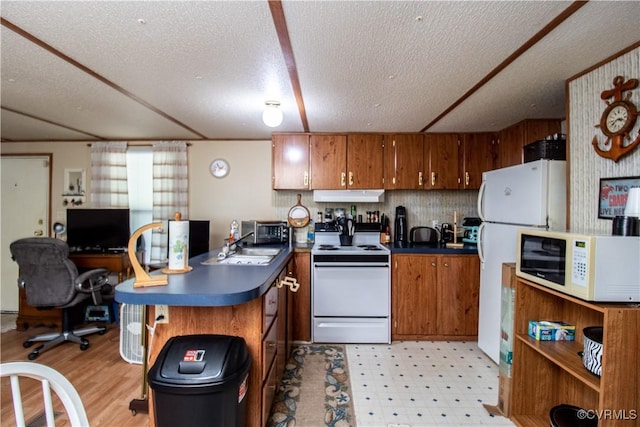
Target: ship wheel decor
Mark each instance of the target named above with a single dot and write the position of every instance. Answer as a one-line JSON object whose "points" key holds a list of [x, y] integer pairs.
{"points": [[617, 120]]}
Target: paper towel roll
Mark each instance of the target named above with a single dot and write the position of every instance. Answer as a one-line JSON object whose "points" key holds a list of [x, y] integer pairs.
{"points": [[633, 202], [178, 240]]}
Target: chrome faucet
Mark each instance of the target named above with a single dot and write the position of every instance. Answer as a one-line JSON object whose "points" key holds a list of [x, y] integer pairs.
{"points": [[235, 242]]}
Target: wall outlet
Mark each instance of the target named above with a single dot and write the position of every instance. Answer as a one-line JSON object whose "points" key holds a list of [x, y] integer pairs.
{"points": [[162, 310], [435, 224]]}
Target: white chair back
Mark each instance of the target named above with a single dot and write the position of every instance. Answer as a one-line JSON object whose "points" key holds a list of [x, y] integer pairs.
{"points": [[51, 380]]}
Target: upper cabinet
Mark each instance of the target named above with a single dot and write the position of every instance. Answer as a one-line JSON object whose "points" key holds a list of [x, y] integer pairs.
{"points": [[514, 138], [328, 160], [290, 162], [365, 165], [479, 154], [441, 161], [404, 161], [346, 162]]}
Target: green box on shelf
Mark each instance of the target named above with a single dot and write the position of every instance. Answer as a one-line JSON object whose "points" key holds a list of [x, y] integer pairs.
{"points": [[551, 330]]}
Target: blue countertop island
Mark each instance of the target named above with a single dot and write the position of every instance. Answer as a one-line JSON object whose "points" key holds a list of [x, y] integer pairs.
{"points": [[208, 285]]}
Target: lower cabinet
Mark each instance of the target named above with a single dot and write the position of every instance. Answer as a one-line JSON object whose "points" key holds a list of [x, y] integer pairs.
{"points": [[301, 300], [262, 322], [435, 296]]}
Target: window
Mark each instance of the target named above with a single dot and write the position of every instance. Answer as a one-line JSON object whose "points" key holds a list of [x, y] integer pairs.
{"points": [[140, 183]]}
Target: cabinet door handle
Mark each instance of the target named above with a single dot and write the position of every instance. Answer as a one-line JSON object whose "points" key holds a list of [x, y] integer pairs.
{"points": [[433, 264], [466, 178], [420, 178], [343, 177], [433, 178], [350, 178], [306, 178], [446, 264], [291, 282]]}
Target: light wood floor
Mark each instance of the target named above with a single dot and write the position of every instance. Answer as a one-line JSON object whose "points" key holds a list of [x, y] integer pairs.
{"points": [[106, 382]]}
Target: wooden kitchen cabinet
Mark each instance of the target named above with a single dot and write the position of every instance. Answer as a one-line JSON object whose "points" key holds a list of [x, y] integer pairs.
{"points": [[290, 161], [301, 300], [458, 295], [435, 296], [404, 161], [414, 295], [365, 162], [441, 161], [549, 373], [352, 161], [328, 160], [512, 139], [479, 154]]}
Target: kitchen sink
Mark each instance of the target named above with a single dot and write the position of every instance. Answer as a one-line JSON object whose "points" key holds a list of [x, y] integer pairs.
{"points": [[246, 256], [238, 259], [259, 251]]}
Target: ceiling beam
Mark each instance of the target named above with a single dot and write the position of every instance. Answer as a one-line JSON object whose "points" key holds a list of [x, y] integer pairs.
{"points": [[93, 74], [287, 51], [574, 7]]}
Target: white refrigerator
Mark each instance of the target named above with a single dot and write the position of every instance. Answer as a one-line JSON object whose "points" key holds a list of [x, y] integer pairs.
{"points": [[531, 195]]}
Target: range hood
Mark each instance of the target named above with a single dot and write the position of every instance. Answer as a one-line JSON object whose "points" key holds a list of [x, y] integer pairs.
{"points": [[370, 196]]}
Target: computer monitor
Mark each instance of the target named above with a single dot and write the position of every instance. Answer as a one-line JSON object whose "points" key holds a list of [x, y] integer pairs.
{"points": [[98, 229]]}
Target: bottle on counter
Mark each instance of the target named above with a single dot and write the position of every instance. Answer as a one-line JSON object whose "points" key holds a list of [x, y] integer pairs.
{"points": [[310, 233], [234, 232]]}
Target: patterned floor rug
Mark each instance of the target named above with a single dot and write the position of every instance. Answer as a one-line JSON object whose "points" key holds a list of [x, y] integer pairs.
{"points": [[315, 390]]}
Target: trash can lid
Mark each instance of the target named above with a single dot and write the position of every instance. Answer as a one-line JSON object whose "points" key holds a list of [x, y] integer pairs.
{"points": [[200, 360]]}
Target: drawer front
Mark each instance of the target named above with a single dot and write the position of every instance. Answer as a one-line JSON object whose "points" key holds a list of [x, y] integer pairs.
{"points": [[270, 308], [269, 349], [268, 393]]}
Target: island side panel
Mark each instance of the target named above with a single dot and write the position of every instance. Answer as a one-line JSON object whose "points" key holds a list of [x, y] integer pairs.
{"points": [[244, 320]]}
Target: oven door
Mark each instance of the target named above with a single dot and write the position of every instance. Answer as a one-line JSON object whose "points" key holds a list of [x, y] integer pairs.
{"points": [[353, 290]]}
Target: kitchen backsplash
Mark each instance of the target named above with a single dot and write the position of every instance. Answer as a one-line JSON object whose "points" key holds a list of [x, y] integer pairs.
{"points": [[422, 206]]}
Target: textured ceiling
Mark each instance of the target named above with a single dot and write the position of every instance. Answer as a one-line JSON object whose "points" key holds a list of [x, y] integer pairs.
{"points": [[145, 70]]}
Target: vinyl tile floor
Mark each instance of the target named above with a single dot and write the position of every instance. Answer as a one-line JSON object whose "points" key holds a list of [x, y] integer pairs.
{"points": [[423, 383]]}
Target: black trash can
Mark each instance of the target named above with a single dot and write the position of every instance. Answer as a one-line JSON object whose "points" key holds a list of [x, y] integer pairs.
{"points": [[201, 380]]}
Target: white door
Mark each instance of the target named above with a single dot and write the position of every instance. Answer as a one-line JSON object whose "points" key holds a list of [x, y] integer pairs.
{"points": [[25, 213]]}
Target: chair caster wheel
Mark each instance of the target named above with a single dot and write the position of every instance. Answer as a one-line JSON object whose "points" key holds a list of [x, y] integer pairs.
{"points": [[84, 345], [33, 355], [27, 344]]}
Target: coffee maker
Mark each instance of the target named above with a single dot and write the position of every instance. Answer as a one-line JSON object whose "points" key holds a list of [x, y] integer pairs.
{"points": [[400, 234]]}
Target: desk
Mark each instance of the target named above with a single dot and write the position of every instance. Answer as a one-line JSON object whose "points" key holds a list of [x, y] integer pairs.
{"points": [[31, 316], [116, 262]]}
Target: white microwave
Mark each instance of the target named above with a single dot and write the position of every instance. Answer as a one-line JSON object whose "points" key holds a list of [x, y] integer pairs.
{"points": [[590, 267]]}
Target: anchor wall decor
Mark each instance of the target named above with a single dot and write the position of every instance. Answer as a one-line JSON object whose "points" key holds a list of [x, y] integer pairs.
{"points": [[617, 121]]}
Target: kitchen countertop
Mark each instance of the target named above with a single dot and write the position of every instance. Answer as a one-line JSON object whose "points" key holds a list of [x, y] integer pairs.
{"points": [[208, 285], [421, 248]]}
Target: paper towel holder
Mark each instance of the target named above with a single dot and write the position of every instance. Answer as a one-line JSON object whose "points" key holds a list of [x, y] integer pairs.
{"points": [[185, 254], [142, 277]]}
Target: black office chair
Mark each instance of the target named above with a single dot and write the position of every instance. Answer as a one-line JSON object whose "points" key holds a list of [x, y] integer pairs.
{"points": [[51, 280]]}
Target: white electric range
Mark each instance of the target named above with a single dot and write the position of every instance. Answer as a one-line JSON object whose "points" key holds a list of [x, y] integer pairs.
{"points": [[350, 288]]}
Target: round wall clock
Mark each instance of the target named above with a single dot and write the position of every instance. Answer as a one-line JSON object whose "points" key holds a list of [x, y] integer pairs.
{"points": [[618, 118], [617, 121], [219, 168]]}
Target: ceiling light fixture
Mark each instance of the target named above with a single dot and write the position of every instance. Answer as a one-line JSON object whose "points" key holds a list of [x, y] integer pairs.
{"points": [[272, 115]]}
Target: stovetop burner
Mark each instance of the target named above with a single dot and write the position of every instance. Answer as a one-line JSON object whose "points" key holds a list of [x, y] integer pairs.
{"points": [[370, 247], [328, 247]]}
